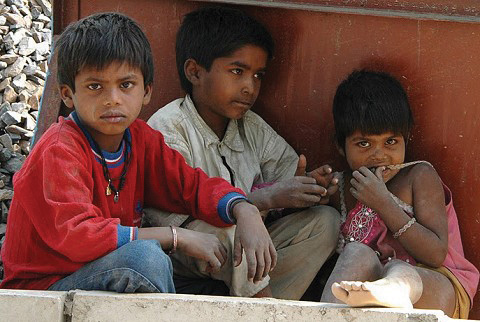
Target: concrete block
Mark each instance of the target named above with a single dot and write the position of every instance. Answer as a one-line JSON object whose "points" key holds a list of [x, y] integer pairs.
{"points": [[38, 306], [104, 306]]}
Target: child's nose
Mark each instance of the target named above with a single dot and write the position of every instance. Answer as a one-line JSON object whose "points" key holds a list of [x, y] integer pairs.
{"points": [[111, 97], [249, 85], [378, 153]]}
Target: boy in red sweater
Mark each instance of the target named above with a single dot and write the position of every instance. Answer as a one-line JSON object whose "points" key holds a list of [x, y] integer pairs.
{"points": [[94, 171]]}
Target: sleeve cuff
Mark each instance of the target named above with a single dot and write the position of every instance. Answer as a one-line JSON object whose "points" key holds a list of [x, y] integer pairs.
{"points": [[225, 205], [126, 234]]}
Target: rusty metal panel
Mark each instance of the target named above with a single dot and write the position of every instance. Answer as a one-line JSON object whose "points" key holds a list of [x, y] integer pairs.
{"points": [[431, 46]]}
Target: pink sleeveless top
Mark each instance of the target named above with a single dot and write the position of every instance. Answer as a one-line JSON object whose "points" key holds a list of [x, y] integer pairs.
{"points": [[363, 225]]}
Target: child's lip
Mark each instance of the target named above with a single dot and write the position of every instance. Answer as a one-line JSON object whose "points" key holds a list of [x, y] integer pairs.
{"points": [[113, 116], [245, 103], [109, 114], [374, 168]]}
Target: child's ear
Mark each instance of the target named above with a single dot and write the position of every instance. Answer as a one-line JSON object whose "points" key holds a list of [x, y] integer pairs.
{"points": [[148, 94], [192, 71], [66, 94]]}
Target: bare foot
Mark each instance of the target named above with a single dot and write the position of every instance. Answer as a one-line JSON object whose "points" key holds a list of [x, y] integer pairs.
{"points": [[384, 292]]}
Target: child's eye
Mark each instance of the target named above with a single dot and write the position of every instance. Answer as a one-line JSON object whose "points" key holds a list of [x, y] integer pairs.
{"points": [[363, 144], [126, 85], [94, 86], [237, 71], [391, 141], [259, 75]]}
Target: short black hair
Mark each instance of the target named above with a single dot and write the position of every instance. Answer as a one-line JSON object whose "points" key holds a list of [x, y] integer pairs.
{"points": [[213, 32], [372, 103], [98, 40]]}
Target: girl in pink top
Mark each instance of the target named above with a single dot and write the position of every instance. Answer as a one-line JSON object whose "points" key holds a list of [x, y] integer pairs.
{"points": [[400, 243]]}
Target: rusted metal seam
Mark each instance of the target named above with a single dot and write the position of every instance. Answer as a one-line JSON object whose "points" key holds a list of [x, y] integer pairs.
{"points": [[354, 11]]}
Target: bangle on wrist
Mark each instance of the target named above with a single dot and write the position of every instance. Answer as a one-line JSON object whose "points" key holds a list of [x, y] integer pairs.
{"points": [[404, 228], [232, 205], [174, 240]]}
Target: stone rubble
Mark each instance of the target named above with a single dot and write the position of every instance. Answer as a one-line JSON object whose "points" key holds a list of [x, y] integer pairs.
{"points": [[25, 42]]}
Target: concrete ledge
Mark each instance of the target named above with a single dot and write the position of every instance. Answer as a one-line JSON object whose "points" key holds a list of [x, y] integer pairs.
{"points": [[19, 305], [104, 306]]}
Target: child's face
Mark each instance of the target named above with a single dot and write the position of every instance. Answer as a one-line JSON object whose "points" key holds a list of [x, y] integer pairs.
{"points": [[370, 150], [107, 101], [231, 86]]}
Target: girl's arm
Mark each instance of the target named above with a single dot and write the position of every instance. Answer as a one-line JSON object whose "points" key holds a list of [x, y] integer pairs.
{"points": [[426, 240]]}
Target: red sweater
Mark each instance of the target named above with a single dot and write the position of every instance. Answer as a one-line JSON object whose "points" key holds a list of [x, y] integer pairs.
{"points": [[60, 217]]}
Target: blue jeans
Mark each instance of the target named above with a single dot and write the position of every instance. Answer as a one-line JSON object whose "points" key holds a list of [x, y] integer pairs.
{"points": [[139, 266]]}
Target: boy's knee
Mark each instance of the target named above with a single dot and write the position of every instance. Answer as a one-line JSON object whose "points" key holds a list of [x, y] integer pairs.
{"points": [[326, 222], [328, 216], [147, 257]]}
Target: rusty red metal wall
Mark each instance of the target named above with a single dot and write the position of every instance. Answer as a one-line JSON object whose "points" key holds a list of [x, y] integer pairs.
{"points": [[436, 61]]}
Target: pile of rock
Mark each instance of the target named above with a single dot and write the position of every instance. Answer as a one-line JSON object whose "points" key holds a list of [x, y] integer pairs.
{"points": [[25, 39]]}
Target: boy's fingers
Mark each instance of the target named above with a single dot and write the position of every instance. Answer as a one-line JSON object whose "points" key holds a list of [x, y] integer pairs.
{"points": [[315, 189], [220, 257], [323, 170], [268, 263], [251, 264], [260, 266], [224, 253], [309, 200], [335, 178], [237, 252], [321, 178], [307, 180], [273, 256], [214, 264], [301, 166], [332, 189]]}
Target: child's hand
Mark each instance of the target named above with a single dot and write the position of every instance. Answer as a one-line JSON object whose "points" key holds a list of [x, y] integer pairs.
{"points": [[297, 192], [327, 179], [323, 176], [302, 191], [203, 246], [369, 188], [252, 236]]}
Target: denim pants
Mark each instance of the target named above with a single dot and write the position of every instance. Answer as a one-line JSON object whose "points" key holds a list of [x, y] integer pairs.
{"points": [[139, 266]]}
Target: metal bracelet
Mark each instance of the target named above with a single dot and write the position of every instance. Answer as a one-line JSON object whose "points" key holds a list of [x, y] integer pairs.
{"points": [[404, 228], [174, 240]]}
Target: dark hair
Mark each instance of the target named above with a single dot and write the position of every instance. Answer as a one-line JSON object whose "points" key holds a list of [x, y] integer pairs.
{"points": [[97, 41], [373, 103], [212, 32]]}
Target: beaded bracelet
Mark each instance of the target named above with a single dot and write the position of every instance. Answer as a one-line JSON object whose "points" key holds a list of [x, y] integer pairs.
{"points": [[174, 241], [404, 228]]}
